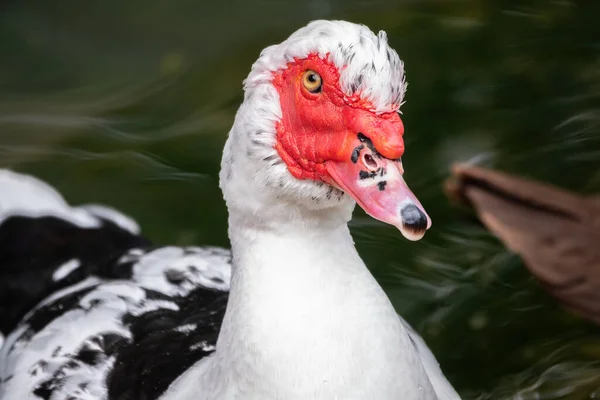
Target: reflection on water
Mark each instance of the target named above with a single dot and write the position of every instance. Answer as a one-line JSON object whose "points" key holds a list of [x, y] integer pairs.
{"points": [[128, 103]]}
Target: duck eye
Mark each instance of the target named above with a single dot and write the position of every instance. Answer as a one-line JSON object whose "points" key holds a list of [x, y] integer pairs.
{"points": [[312, 81]]}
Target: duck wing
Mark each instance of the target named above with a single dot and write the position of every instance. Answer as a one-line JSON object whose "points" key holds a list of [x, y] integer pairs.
{"points": [[556, 232], [443, 389], [91, 308]]}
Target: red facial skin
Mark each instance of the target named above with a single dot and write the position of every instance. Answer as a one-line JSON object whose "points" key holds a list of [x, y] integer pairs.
{"points": [[319, 138], [319, 127]]}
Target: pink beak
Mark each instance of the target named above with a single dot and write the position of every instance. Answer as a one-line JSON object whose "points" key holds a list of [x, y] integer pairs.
{"points": [[377, 185]]}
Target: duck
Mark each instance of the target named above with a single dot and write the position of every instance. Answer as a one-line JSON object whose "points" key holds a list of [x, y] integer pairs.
{"points": [[94, 310], [553, 230]]}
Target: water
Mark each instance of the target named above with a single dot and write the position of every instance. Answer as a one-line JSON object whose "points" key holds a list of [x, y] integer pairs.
{"points": [[128, 103]]}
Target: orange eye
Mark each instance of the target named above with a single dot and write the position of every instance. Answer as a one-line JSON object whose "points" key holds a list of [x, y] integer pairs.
{"points": [[312, 81]]}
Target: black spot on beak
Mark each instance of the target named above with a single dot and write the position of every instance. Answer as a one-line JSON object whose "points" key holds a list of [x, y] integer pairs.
{"points": [[413, 218], [366, 174], [356, 153], [381, 185]]}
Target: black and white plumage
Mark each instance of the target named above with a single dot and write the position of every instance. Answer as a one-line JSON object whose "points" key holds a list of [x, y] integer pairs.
{"points": [[94, 311]]}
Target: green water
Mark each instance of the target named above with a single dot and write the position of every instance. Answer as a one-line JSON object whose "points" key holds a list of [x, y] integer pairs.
{"points": [[129, 102]]}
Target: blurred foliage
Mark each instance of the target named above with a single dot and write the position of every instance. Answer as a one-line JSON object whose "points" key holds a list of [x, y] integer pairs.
{"points": [[128, 103]]}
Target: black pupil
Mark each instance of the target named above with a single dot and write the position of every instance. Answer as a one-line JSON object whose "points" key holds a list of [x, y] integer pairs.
{"points": [[312, 78]]}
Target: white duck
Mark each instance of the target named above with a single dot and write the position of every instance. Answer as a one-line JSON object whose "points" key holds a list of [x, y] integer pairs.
{"points": [[304, 319]]}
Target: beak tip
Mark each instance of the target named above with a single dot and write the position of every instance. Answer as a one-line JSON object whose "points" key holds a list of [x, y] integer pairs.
{"points": [[414, 222]]}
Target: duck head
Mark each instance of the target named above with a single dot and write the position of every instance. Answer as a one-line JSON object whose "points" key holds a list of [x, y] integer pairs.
{"points": [[320, 129]]}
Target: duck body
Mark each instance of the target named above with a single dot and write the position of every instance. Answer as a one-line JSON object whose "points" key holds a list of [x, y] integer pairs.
{"points": [[114, 317], [291, 312], [137, 321]]}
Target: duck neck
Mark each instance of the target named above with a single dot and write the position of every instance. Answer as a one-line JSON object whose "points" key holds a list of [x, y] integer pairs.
{"points": [[305, 315]]}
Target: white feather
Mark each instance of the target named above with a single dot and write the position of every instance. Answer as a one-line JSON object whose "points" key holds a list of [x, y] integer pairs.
{"points": [[65, 269], [24, 195], [110, 214]]}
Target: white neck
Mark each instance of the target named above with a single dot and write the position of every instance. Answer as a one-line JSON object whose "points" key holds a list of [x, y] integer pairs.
{"points": [[306, 320]]}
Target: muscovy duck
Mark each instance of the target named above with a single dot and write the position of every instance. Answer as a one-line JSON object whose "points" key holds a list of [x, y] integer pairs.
{"points": [[96, 311]]}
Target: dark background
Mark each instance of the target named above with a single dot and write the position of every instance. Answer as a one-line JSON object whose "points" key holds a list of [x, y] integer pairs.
{"points": [[129, 102]]}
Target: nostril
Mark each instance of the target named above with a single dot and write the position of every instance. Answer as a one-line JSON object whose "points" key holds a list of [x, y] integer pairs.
{"points": [[369, 162]]}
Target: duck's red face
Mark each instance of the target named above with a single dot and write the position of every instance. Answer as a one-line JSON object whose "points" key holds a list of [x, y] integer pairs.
{"points": [[327, 136]]}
